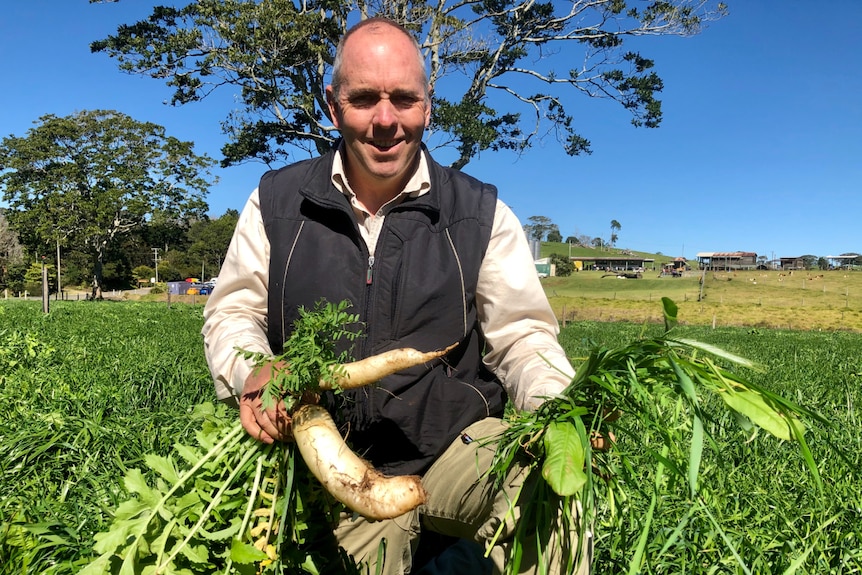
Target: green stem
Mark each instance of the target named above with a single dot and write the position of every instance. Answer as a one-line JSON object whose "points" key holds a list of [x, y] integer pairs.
{"points": [[251, 453]]}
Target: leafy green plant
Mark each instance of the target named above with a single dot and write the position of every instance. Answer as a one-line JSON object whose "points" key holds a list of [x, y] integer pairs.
{"points": [[230, 505], [660, 397], [236, 505], [309, 353]]}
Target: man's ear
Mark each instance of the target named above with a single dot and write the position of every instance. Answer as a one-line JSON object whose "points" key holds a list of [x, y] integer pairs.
{"points": [[332, 104]]}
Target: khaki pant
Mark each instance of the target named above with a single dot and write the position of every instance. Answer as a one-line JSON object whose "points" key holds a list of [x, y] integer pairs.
{"points": [[461, 503]]}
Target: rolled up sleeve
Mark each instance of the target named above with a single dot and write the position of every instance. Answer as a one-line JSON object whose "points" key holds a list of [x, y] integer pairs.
{"points": [[235, 316], [518, 323]]}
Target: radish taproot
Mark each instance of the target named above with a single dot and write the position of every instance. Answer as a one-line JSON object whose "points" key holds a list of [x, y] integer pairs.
{"points": [[374, 368], [347, 477]]}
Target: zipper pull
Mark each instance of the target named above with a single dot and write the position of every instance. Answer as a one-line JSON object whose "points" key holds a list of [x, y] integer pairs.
{"points": [[369, 273]]}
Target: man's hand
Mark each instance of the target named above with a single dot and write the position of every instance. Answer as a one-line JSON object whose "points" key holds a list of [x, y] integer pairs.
{"points": [[268, 425]]}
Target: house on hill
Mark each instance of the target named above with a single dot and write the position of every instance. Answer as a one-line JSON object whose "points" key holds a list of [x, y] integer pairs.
{"points": [[796, 263], [727, 261], [611, 263]]}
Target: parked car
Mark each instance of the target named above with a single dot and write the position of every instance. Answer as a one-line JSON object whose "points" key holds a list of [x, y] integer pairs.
{"points": [[200, 289]]}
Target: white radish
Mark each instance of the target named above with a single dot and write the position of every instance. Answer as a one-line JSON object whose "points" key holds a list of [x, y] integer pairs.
{"points": [[366, 371], [349, 478]]}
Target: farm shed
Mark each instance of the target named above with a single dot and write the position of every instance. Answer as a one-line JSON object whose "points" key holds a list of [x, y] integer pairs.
{"points": [[611, 263], [727, 260], [796, 263], [843, 262], [178, 288]]}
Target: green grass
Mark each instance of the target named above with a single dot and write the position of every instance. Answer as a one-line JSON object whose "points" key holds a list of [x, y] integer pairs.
{"points": [[87, 390], [804, 300]]}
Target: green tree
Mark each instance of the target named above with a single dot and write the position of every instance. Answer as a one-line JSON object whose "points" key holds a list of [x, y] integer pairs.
{"points": [[33, 278], [615, 227], [503, 73], [555, 236], [11, 251], [563, 266], [96, 175], [144, 273], [809, 261], [210, 239], [539, 227]]}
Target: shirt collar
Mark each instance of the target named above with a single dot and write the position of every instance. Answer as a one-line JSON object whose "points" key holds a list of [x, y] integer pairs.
{"points": [[419, 183]]}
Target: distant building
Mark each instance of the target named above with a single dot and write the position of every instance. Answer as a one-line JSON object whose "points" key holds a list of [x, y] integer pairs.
{"points": [[611, 263], [727, 261], [843, 262], [796, 263]]}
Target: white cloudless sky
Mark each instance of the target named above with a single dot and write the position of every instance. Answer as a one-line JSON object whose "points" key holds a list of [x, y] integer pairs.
{"points": [[759, 149]]}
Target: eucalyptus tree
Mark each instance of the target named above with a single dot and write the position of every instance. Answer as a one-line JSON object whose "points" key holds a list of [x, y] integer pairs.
{"points": [[94, 176], [539, 227], [615, 227], [504, 73]]}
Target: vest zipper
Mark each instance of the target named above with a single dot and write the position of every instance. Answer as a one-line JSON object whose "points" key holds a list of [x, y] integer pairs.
{"points": [[369, 274]]}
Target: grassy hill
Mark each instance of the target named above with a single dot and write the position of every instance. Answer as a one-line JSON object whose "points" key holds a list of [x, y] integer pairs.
{"points": [[808, 300], [563, 249]]}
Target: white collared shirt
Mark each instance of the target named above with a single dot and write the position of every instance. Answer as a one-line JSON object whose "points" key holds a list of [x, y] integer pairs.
{"points": [[514, 314]]}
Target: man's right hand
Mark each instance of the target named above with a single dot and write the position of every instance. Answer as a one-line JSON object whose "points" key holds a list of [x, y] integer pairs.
{"points": [[266, 425]]}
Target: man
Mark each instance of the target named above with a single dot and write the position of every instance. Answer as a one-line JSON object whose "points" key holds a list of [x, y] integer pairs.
{"points": [[427, 256]]}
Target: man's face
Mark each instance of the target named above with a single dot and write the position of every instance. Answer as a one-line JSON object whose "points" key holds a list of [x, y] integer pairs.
{"points": [[381, 109]]}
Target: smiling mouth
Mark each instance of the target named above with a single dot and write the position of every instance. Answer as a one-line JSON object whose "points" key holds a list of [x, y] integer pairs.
{"points": [[384, 145]]}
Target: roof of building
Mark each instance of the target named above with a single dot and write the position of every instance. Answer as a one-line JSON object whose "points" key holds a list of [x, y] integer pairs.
{"points": [[726, 254]]}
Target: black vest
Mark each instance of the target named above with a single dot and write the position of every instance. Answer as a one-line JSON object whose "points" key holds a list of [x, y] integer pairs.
{"points": [[419, 291]]}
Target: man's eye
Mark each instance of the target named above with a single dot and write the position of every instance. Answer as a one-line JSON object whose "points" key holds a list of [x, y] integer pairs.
{"points": [[403, 101], [363, 101]]}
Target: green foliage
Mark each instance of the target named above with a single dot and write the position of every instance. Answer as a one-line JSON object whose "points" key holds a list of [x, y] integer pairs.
{"points": [[670, 393], [228, 504], [309, 355], [33, 278], [278, 53], [89, 178], [563, 265], [85, 392], [540, 227], [144, 273], [97, 388]]}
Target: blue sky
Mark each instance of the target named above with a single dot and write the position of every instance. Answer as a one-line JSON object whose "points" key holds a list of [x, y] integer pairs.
{"points": [[760, 148]]}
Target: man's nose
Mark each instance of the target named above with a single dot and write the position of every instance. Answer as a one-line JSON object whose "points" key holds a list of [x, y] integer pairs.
{"points": [[384, 113]]}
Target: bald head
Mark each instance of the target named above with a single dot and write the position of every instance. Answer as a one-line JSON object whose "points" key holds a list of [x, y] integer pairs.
{"points": [[373, 26]]}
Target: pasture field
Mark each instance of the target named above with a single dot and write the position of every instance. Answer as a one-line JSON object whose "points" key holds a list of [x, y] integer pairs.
{"points": [[89, 389], [805, 300]]}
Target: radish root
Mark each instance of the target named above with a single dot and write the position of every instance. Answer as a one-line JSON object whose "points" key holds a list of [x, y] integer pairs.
{"points": [[349, 478], [366, 371]]}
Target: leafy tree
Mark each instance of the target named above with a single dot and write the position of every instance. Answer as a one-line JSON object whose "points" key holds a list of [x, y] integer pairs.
{"points": [[539, 227], [145, 273], [555, 236], [33, 278], [573, 240], [502, 73], [809, 261], [94, 176], [11, 251], [563, 265], [615, 227], [210, 240]]}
